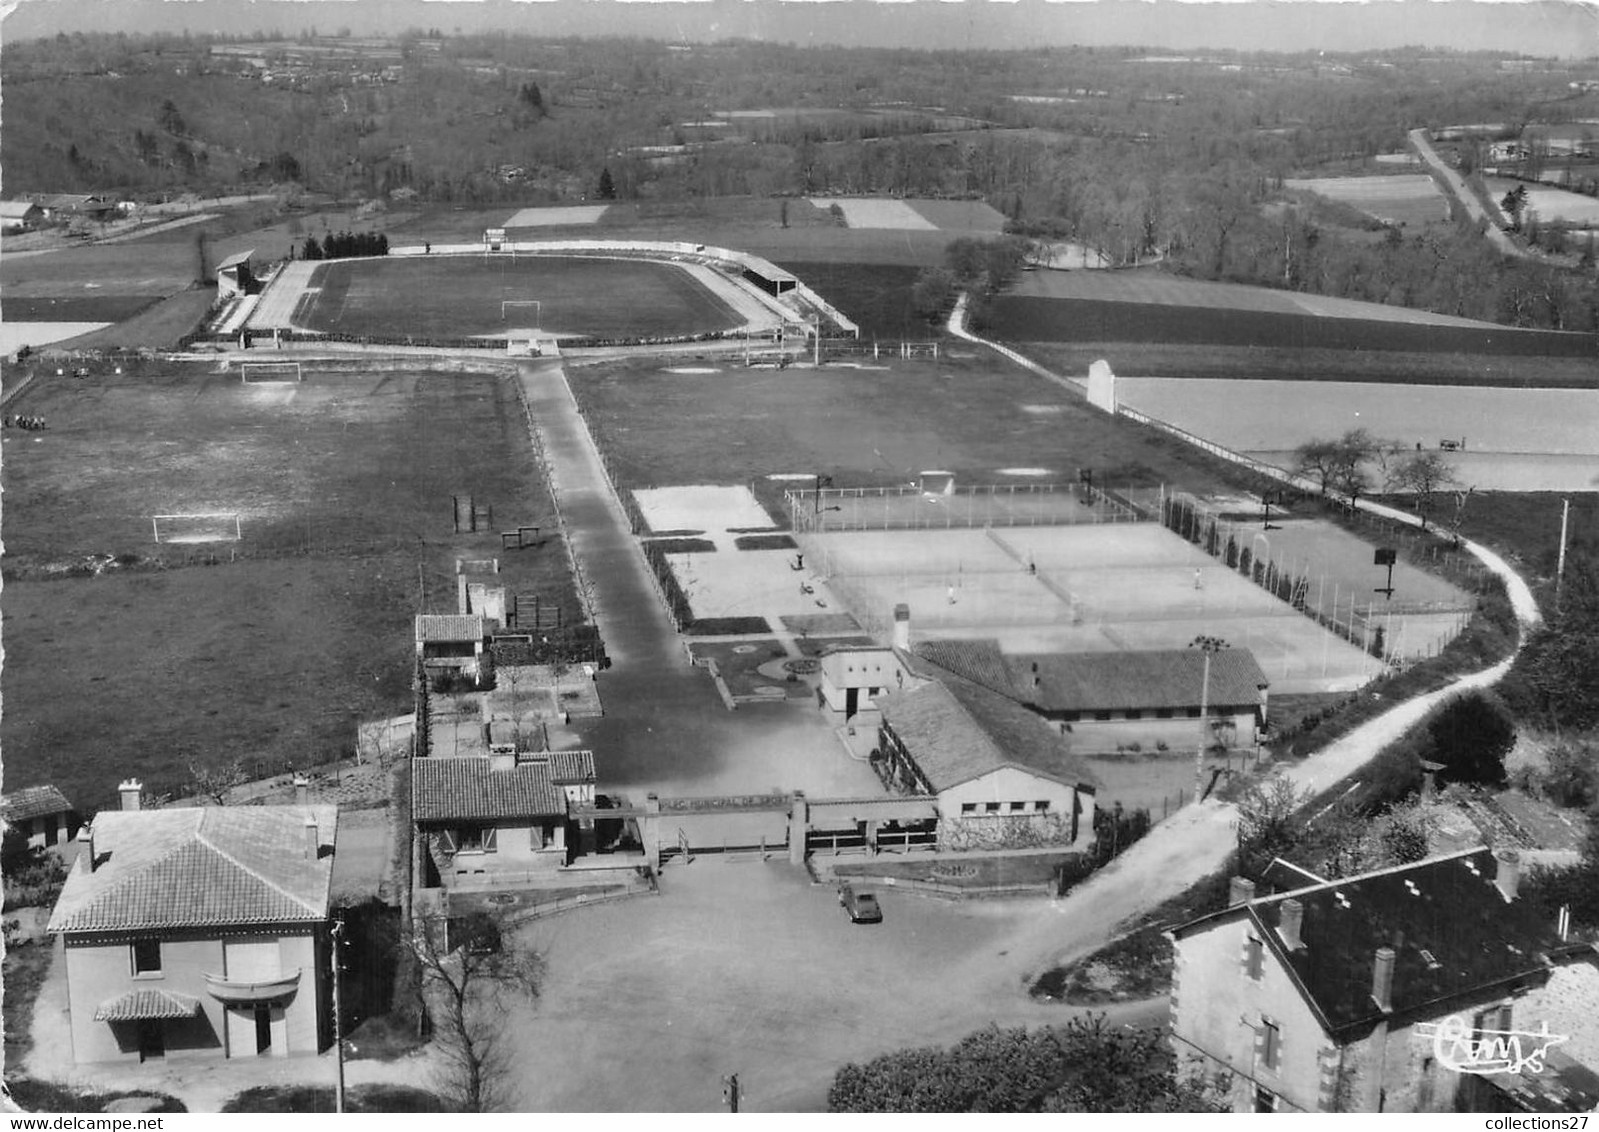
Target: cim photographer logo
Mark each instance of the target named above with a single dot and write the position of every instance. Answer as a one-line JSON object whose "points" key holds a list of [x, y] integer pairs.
{"points": [[1459, 1046]]}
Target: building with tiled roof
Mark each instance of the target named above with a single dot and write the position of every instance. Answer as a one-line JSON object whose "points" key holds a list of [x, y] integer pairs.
{"points": [[993, 766], [451, 643], [1350, 995], [40, 813], [1120, 700], [490, 821], [198, 932]]}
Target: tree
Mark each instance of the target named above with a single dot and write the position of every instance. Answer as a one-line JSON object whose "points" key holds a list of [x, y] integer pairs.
{"points": [[1514, 204], [312, 249], [469, 978], [215, 782], [1471, 735], [1553, 678], [607, 187], [1267, 826], [1421, 476]]}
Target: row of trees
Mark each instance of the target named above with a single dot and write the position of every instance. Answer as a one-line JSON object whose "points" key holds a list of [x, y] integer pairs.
{"points": [[1345, 465], [345, 245]]}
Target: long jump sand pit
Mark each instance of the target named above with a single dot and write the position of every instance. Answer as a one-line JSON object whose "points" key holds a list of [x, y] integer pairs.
{"points": [[1087, 588]]}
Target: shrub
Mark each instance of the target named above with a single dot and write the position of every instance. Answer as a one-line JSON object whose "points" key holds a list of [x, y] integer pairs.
{"points": [[1471, 734]]}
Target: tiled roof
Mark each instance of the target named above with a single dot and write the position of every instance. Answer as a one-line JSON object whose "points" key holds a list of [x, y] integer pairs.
{"points": [[1167, 678], [979, 661], [33, 802], [201, 867], [235, 260], [139, 1005], [449, 627], [571, 767], [1453, 932], [956, 731], [466, 787]]}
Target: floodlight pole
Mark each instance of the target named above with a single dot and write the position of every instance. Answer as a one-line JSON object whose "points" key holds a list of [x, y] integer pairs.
{"points": [[1209, 646], [1560, 563]]}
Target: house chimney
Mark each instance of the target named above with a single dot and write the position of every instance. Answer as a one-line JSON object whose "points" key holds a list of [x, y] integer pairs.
{"points": [[302, 791], [1507, 878], [313, 843], [129, 790], [1240, 890], [86, 845], [902, 626], [1291, 918], [1382, 979]]}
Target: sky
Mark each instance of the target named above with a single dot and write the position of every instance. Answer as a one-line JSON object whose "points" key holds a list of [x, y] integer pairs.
{"points": [[1564, 28]]}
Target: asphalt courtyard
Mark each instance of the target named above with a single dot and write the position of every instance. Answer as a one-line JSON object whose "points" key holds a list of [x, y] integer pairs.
{"points": [[746, 967]]}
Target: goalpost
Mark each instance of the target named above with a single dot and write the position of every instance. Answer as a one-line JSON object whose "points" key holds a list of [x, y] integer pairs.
{"points": [[507, 304], [206, 526], [270, 373]]}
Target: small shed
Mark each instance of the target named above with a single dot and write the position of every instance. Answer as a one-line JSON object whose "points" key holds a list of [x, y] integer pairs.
{"points": [[19, 215], [41, 813], [234, 276]]}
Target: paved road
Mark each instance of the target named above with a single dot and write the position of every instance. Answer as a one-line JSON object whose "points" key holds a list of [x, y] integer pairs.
{"points": [[1422, 144]]}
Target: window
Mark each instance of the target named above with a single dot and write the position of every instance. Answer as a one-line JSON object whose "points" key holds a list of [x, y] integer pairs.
{"points": [[968, 807], [146, 956], [476, 839], [1102, 715], [1017, 807], [1071, 716], [1041, 807], [1134, 713], [991, 807], [1271, 1043], [1193, 713], [1254, 956], [1265, 1100], [1164, 713]]}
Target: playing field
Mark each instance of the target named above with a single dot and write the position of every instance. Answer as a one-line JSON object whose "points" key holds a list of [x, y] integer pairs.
{"points": [[1403, 199], [461, 297]]}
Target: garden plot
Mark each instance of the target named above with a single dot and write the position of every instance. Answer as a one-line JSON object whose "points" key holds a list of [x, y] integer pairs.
{"points": [[702, 508], [1099, 588], [557, 217], [870, 212], [1411, 198]]}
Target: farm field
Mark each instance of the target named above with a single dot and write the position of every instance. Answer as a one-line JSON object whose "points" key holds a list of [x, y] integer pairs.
{"points": [[555, 217], [1274, 363], [974, 217], [876, 212], [460, 296], [973, 415], [1550, 204], [1042, 308], [1404, 200], [343, 487], [876, 296]]}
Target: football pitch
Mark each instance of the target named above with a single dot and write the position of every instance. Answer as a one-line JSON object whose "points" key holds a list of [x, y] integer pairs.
{"points": [[464, 296]]}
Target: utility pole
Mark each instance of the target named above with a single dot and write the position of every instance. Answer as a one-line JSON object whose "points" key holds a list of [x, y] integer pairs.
{"points": [[337, 936], [1209, 646], [730, 1092]]}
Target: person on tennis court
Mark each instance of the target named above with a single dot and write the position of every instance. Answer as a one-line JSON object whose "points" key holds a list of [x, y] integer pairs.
{"points": [[1199, 579]]}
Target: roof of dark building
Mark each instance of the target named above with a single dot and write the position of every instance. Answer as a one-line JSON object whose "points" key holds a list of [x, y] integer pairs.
{"points": [[33, 802], [979, 661], [1453, 932], [468, 788]]}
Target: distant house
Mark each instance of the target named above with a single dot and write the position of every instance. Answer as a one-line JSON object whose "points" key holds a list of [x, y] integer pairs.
{"points": [[497, 821], [997, 772], [1367, 994], [1111, 700], [19, 215], [198, 933], [40, 813]]}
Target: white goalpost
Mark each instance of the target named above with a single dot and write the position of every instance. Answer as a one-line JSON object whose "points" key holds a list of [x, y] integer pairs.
{"points": [[538, 309], [206, 526], [270, 373]]}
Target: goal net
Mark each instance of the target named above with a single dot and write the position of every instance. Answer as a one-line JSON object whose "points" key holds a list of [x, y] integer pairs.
{"points": [[270, 373], [509, 305], [210, 526]]}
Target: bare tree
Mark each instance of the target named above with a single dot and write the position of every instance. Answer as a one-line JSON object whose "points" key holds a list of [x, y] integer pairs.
{"points": [[1421, 476], [214, 782], [470, 973]]}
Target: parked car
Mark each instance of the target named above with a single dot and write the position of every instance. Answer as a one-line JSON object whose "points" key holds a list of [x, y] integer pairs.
{"points": [[862, 907]]}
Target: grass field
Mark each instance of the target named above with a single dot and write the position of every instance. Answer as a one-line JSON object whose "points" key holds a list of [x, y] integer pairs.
{"points": [[1406, 200], [970, 415], [876, 296], [461, 296], [1551, 205], [343, 485]]}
